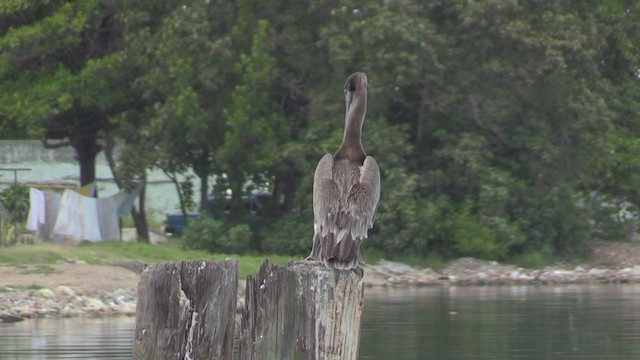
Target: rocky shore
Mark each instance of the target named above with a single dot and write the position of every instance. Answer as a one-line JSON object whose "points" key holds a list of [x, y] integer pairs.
{"points": [[62, 301], [66, 301], [469, 271]]}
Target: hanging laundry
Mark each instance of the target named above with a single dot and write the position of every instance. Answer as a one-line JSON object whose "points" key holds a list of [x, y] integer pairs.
{"points": [[52, 203], [77, 217], [37, 213], [94, 219]]}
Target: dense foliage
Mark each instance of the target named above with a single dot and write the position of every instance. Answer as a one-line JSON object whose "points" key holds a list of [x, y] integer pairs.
{"points": [[214, 235], [14, 203], [501, 127], [14, 208]]}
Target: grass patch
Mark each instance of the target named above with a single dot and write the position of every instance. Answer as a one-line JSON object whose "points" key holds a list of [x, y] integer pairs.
{"points": [[31, 254], [127, 222], [10, 288], [40, 269], [96, 253]]}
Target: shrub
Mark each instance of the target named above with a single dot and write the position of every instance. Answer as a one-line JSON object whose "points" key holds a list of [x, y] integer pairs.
{"points": [[15, 202], [213, 235], [290, 235], [475, 239]]}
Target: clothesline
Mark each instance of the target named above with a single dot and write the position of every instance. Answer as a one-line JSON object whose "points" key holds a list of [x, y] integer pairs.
{"points": [[78, 216]]}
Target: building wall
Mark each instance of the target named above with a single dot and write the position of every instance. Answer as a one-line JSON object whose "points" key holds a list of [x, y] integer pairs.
{"points": [[59, 166]]}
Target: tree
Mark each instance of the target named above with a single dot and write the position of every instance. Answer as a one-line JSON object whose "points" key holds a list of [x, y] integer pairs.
{"points": [[252, 120], [54, 69], [183, 48]]}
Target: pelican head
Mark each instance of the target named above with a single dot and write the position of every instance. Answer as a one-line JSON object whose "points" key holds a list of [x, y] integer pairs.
{"points": [[355, 82]]}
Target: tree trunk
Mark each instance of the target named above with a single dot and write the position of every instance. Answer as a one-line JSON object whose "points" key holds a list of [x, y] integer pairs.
{"points": [[204, 191], [86, 151], [139, 216], [202, 168], [174, 179], [236, 182]]}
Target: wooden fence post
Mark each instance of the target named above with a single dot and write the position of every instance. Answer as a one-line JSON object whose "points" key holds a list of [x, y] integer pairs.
{"points": [[186, 310], [302, 308]]}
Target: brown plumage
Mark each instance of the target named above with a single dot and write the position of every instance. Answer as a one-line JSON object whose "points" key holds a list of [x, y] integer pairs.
{"points": [[346, 189]]}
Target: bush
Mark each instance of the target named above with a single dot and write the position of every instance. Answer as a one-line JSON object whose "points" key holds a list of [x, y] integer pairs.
{"points": [[290, 235], [14, 200], [554, 219], [473, 238], [213, 235]]}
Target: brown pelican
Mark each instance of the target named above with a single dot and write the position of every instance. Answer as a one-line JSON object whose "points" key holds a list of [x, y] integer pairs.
{"points": [[346, 189]]}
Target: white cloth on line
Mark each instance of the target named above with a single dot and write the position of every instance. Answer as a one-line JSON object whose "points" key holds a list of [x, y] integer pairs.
{"points": [[86, 218], [52, 203], [78, 217], [37, 212]]}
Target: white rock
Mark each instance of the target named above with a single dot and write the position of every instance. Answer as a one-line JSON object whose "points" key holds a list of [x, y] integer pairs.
{"points": [[65, 291], [597, 272], [562, 273], [394, 280], [46, 293], [395, 267], [93, 304]]}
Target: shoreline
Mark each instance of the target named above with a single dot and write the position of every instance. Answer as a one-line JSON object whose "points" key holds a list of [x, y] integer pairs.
{"points": [[474, 272], [64, 301]]}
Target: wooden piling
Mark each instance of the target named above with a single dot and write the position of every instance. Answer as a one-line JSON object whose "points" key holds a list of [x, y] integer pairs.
{"points": [[186, 310], [303, 310], [268, 319]]}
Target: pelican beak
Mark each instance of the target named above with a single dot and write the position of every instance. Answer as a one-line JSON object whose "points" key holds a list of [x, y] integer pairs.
{"points": [[348, 95]]}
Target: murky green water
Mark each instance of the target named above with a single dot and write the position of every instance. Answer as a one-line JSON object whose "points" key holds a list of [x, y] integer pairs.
{"points": [[532, 323]]}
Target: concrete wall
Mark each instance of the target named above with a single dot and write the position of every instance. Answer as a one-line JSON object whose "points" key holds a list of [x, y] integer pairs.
{"points": [[60, 166]]}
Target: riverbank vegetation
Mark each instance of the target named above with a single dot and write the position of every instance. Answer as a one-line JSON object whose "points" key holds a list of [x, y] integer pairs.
{"points": [[503, 129]]}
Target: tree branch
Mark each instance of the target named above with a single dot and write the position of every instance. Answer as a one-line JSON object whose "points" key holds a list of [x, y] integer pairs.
{"points": [[55, 145]]}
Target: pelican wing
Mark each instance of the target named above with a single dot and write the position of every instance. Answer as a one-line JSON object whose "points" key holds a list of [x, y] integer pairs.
{"points": [[344, 226], [362, 201], [325, 199]]}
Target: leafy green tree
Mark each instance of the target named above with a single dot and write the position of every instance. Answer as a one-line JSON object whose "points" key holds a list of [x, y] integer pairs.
{"points": [[183, 48], [252, 120], [55, 66]]}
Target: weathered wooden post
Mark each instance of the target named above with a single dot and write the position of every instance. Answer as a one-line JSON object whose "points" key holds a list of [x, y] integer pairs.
{"points": [[268, 319], [186, 310], [305, 309]]}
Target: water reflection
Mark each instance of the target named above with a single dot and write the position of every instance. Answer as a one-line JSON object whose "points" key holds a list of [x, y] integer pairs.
{"points": [[84, 338], [526, 322], [510, 322]]}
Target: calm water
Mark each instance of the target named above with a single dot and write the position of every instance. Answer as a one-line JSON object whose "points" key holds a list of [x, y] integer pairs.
{"points": [[533, 323]]}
